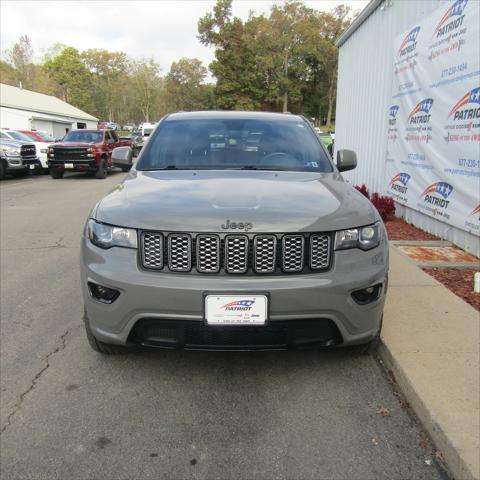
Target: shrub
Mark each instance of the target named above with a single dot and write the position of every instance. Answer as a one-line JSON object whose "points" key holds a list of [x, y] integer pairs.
{"points": [[384, 204], [363, 190]]}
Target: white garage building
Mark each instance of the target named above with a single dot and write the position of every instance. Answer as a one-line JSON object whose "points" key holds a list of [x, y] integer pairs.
{"points": [[26, 110], [365, 92]]}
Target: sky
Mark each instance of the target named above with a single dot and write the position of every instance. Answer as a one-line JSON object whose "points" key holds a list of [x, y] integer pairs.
{"points": [[165, 30]]}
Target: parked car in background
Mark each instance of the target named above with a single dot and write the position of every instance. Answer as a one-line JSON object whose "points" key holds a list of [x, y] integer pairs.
{"points": [[40, 146], [84, 151], [140, 137], [102, 125], [113, 126], [17, 158], [129, 127], [38, 135]]}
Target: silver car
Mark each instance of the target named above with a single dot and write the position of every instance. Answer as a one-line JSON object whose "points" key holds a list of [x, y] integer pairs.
{"points": [[235, 230]]}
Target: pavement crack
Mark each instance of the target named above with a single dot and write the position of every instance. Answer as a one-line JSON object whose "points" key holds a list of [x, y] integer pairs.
{"points": [[46, 247], [37, 376]]}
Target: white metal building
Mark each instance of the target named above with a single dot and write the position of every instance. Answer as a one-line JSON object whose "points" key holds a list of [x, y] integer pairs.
{"points": [[25, 110], [364, 93]]}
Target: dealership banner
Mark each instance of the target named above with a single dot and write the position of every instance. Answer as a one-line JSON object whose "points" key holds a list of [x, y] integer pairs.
{"points": [[433, 148]]}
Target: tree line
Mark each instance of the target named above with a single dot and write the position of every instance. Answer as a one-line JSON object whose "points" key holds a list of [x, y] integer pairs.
{"points": [[283, 61]]}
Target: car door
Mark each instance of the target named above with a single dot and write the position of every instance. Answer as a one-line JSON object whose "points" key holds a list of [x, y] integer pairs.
{"points": [[110, 143]]}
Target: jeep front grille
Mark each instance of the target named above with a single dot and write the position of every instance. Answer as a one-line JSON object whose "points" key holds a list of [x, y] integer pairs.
{"points": [[179, 252], [236, 254], [293, 253], [208, 253]]}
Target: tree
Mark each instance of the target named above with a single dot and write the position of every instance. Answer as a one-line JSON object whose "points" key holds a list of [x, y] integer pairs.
{"points": [[184, 85], [147, 84], [20, 57], [72, 78], [107, 69], [238, 78]]}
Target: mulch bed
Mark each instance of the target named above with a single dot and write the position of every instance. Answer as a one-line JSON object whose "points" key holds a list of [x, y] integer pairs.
{"points": [[458, 281], [399, 229]]}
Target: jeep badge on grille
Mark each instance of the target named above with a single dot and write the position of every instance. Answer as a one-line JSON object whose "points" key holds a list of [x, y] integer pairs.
{"points": [[237, 226]]}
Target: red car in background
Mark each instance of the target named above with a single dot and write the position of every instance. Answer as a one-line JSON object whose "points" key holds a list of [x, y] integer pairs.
{"points": [[38, 136]]}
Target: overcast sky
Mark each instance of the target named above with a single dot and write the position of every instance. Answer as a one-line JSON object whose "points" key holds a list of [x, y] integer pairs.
{"points": [[166, 30]]}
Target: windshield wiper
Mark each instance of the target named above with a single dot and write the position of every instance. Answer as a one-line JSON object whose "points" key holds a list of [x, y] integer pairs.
{"points": [[168, 167]]}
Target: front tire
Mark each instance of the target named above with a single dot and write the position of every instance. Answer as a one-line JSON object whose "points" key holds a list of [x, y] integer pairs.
{"points": [[101, 172], [2, 170], [100, 347], [57, 174]]}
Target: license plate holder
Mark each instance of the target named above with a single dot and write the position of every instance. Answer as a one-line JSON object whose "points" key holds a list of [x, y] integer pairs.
{"points": [[69, 165], [224, 309]]}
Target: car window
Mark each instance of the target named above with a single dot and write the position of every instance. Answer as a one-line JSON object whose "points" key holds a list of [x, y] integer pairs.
{"points": [[4, 135], [114, 136], [235, 143], [19, 136], [31, 136], [45, 136], [86, 136]]}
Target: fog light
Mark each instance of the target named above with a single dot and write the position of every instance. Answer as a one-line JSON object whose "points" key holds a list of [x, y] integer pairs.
{"points": [[367, 295], [102, 294]]}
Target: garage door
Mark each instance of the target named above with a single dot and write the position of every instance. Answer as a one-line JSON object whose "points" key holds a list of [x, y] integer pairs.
{"points": [[57, 129]]}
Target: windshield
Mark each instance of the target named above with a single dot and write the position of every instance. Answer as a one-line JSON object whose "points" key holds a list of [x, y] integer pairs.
{"points": [[20, 136], [45, 136], [234, 144], [31, 136], [83, 136]]}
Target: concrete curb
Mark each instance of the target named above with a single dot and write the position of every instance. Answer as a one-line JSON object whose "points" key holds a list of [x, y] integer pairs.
{"points": [[431, 343], [456, 464]]}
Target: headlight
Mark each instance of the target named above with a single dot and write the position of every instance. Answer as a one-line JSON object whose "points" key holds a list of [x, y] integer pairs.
{"points": [[11, 151], [107, 236], [364, 238]]}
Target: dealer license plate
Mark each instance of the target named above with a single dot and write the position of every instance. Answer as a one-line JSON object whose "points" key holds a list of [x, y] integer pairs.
{"points": [[236, 309], [69, 165]]}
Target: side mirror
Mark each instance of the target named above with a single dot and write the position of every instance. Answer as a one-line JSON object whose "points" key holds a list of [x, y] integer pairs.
{"points": [[346, 160], [122, 157]]}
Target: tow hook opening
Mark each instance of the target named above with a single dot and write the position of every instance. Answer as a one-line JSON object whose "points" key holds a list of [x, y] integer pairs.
{"points": [[367, 295], [103, 294]]}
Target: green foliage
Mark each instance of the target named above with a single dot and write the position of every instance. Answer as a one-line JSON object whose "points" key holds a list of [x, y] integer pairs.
{"points": [[285, 60], [72, 78]]}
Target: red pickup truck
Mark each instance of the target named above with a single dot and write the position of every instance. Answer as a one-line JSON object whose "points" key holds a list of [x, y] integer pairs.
{"points": [[84, 151]]}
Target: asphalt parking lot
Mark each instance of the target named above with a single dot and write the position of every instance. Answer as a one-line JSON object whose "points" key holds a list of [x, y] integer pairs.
{"points": [[68, 412]]}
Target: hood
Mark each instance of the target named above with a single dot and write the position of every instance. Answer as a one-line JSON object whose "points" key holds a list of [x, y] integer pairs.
{"points": [[74, 144], [14, 143], [203, 201]]}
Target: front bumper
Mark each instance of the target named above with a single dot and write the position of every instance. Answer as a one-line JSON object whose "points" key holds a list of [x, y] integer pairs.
{"points": [[20, 164], [82, 165], [175, 300]]}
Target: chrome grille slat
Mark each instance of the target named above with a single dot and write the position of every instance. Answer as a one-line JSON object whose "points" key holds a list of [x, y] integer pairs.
{"points": [[293, 248], [319, 252], [208, 253], [236, 253], [264, 253], [179, 252], [152, 250]]}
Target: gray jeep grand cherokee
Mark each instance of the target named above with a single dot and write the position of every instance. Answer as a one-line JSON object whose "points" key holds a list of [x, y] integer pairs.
{"points": [[234, 231]]}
